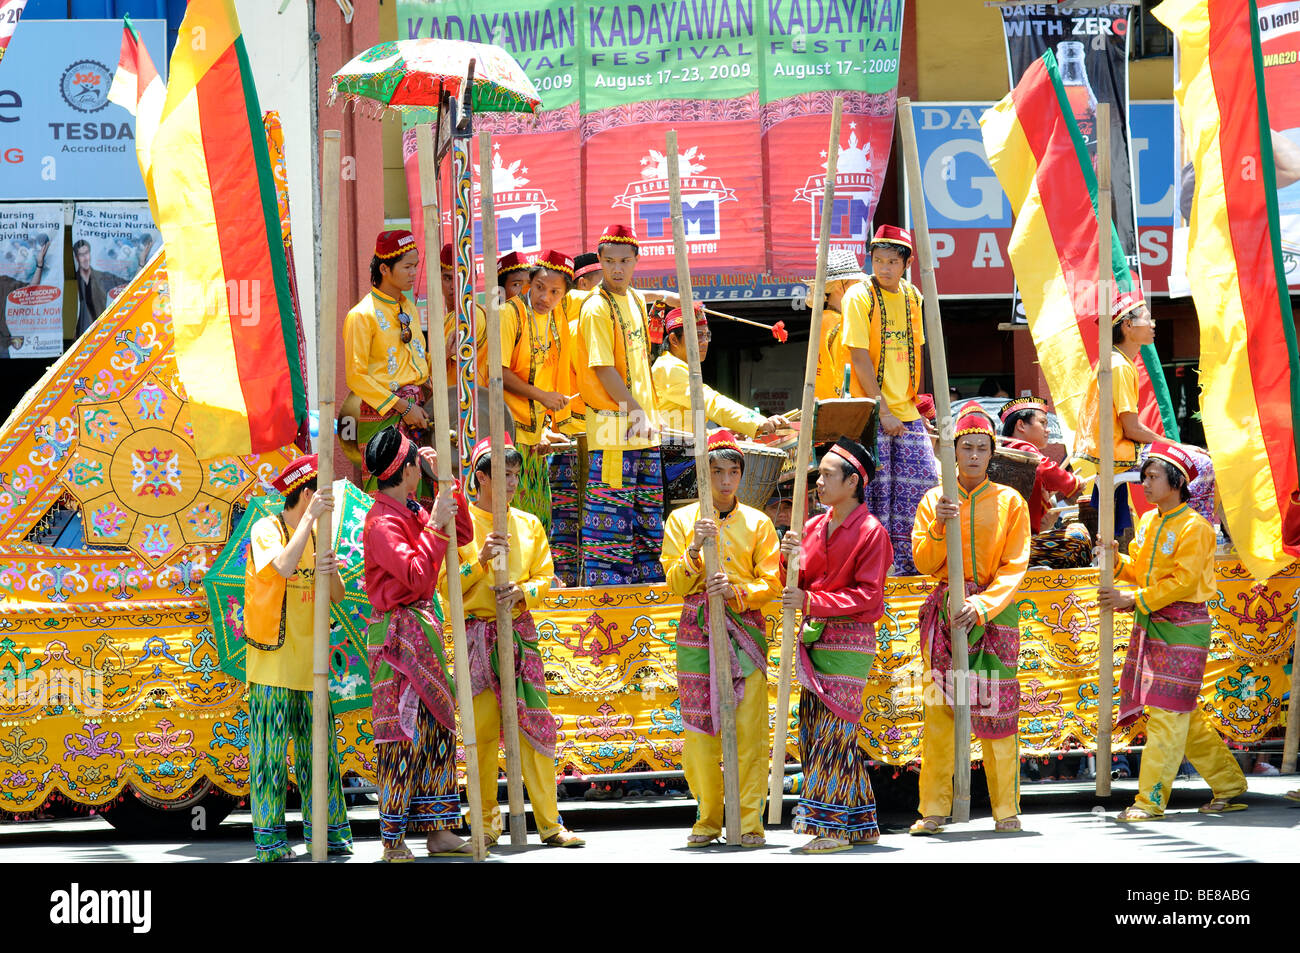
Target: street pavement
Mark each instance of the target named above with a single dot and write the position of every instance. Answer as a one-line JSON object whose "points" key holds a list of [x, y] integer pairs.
{"points": [[1063, 823]]}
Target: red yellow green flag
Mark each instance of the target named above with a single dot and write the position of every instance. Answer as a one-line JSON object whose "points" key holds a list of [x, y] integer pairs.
{"points": [[213, 192], [1038, 154], [1250, 382]]}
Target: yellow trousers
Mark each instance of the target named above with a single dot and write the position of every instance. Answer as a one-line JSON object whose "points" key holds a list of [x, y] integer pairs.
{"points": [[538, 771], [1001, 767], [1171, 736], [702, 758]]}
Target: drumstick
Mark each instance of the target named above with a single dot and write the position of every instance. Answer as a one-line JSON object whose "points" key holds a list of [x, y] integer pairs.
{"points": [[778, 330]]}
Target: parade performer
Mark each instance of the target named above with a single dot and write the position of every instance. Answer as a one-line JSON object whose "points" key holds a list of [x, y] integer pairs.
{"points": [[1024, 428], [569, 467], [844, 555], [622, 520], [528, 557], [279, 625], [994, 526], [512, 275], [747, 549], [535, 347], [671, 376], [883, 334], [1171, 563], [414, 718], [842, 272], [383, 347]]}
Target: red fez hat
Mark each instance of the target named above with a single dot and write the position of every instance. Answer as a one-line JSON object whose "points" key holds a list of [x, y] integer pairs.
{"points": [[675, 320], [483, 449], [585, 264], [394, 243], [512, 261], [973, 419], [722, 440], [553, 260], [925, 405], [893, 235], [447, 258], [620, 234], [1126, 302], [1017, 404], [295, 474], [1172, 453]]}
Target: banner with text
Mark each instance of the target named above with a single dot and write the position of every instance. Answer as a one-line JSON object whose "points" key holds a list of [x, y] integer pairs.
{"points": [[111, 242], [31, 280]]}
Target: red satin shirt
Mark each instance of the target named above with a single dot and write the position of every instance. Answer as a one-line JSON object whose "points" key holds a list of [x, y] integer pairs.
{"points": [[402, 557], [843, 571]]}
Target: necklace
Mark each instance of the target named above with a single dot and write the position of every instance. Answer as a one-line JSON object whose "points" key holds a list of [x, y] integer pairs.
{"points": [[878, 297]]}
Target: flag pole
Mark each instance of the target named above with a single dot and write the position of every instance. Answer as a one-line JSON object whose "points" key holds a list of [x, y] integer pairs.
{"points": [[500, 524], [802, 455], [431, 201], [322, 725], [1106, 455], [719, 640], [947, 466]]}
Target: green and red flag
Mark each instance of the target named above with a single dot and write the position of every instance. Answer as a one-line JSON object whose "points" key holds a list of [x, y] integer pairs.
{"points": [[139, 90], [213, 194], [1249, 371], [1039, 156]]}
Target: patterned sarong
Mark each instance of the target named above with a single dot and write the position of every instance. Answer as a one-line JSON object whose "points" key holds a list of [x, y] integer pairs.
{"points": [[905, 470], [1067, 548], [1165, 664], [408, 666], [623, 526], [535, 720], [568, 484], [833, 661], [370, 422], [534, 492], [837, 799], [994, 652], [696, 683]]}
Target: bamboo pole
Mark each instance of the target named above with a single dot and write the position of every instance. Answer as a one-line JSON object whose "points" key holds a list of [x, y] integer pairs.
{"points": [[442, 444], [322, 725], [500, 523], [799, 507], [1289, 743], [719, 640], [1106, 453], [947, 467]]}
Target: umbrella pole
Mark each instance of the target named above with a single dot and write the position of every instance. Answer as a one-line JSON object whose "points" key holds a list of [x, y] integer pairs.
{"points": [[947, 466], [719, 641], [802, 455], [1106, 453], [500, 523], [442, 444], [322, 725]]}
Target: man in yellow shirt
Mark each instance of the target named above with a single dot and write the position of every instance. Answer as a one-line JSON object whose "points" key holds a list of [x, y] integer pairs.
{"points": [[279, 624], [842, 273], [384, 358], [1171, 564], [512, 275], [622, 520], [528, 559], [535, 347], [883, 334], [748, 578], [994, 524]]}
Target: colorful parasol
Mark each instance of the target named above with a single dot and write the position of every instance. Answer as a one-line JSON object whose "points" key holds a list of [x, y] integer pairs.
{"points": [[224, 586], [413, 74]]}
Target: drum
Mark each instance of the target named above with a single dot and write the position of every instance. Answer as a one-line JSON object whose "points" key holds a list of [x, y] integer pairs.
{"points": [[1014, 468], [762, 470]]}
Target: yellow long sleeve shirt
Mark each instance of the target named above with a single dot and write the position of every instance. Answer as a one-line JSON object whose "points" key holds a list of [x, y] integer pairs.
{"points": [[1171, 559], [536, 347], [748, 550], [375, 360], [530, 564], [672, 380], [995, 542]]}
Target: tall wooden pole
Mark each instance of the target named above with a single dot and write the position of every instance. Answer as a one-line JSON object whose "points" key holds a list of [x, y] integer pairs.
{"points": [[947, 467], [500, 524], [1290, 742], [322, 725], [442, 444], [719, 640], [1106, 453], [808, 407]]}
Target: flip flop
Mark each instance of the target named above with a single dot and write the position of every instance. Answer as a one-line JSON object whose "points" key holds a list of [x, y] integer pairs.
{"points": [[753, 840], [700, 840], [926, 826], [564, 838], [813, 850], [1134, 815], [1004, 826], [398, 855], [1292, 795], [1221, 805]]}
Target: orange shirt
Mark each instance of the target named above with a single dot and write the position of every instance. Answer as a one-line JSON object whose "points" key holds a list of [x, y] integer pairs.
{"points": [[536, 347]]}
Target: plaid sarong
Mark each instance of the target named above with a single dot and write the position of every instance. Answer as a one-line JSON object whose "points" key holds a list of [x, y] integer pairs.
{"points": [[696, 682], [535, 720], [1165, 664]]}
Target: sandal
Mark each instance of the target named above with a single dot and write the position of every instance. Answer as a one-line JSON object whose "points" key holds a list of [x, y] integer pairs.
{"points": [[1221, 805], [464, 849], [1132, 815], [926, 826], [1292, 795], [871, 841], [700, 840], [753, 840], [824, 845], [1008, 825], [564, 838], [401, 854]]}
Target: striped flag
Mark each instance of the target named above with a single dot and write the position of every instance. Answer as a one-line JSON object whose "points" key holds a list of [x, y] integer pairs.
{"points": [[1038, 154], [11, 11], [213, 193], [1249, 368], [139, 90]]}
